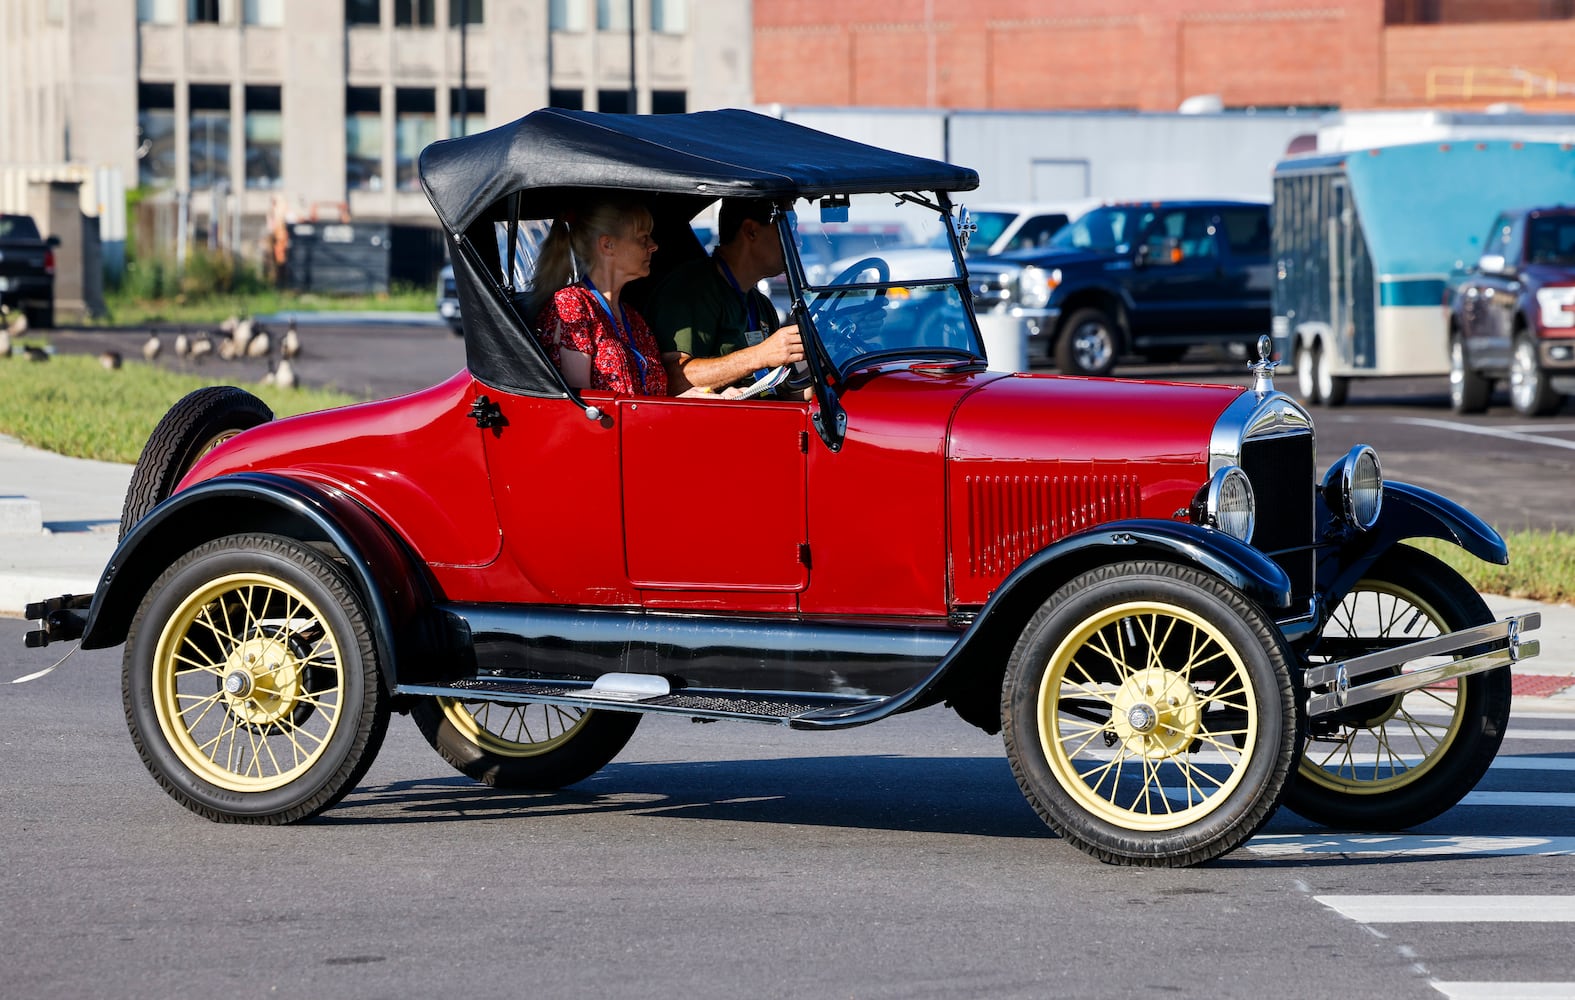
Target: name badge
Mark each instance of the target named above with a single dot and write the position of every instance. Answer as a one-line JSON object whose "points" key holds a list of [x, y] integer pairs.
{"points": [[753, 337]]}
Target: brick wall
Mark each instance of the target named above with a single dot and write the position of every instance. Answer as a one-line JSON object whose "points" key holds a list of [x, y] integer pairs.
{"points": [[1135, 54]]}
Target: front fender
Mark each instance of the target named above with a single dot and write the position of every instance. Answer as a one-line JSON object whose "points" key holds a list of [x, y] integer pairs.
{"points": [[1408, 512], [392, 583]]}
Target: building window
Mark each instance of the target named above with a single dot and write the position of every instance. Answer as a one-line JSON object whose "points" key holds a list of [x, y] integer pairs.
{"points": [[466, 11], [156, 135], [156, 11], [613, 102], [363, 139], [566, 15], [612, 15], [209, 135], [669, 102], [415, 13], [267, 13], [203, 11], [670, 17], [362, 12], [264, 137], [472, 117], [572, 100], [415, 126]]}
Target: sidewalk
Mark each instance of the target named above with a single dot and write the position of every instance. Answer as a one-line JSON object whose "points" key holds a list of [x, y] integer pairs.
{"points": [[59, 518]]}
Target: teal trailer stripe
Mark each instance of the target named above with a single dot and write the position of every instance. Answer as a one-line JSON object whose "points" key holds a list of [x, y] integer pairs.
{"points": [[1426, 292]]}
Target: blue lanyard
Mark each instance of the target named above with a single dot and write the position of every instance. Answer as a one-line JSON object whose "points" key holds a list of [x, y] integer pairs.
{"points": [[625, 335], [748, 300]]}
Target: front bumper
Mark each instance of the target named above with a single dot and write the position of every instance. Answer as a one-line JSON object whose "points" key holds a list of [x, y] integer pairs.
{"points": [[1371, 677]]}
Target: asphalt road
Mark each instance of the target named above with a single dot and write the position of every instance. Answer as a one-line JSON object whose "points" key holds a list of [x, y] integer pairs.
{"points": [[730, 860]]}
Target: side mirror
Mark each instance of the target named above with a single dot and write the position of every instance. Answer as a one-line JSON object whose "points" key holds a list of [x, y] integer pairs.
{"points": [[53, 241], [1492, 263]]}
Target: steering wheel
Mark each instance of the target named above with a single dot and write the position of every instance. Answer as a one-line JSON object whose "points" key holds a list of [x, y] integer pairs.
{"points": [[821, 311]]}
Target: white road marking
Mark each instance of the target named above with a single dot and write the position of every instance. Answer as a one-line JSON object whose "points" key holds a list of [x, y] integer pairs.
{"points": [[1498, 432], [1441, 909], [1539, 734], [1295, 844], [1554, 800], [1508, 763], [1505, 991]]}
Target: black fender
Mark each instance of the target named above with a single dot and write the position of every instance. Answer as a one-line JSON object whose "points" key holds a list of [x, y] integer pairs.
{"points": [[969, 676], [1408, 512], [391, 580]]}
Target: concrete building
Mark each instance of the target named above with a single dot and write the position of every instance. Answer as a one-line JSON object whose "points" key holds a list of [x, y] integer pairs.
{"points": [[325, 104]]}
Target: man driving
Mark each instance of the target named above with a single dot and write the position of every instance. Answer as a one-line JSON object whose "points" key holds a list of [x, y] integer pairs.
{"points": [[712, 325]]}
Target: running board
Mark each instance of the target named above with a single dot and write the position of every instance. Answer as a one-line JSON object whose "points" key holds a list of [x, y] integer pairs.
{"points": [[695, 703], [1334, 685]]}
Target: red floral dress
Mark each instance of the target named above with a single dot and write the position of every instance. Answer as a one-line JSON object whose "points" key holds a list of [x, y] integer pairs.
{"points": [[574, 319]]}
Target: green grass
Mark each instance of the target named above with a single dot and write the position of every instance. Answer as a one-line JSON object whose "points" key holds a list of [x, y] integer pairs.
{"points": [[1541, 565], [74, 406], [130, 308]]}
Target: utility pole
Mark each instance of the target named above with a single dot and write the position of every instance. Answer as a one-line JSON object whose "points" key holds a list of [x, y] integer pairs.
{"points": [[464, 86], [634, 95]]}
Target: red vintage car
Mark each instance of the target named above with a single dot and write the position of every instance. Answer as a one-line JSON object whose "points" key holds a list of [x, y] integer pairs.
{"points": [[1173, 620]]}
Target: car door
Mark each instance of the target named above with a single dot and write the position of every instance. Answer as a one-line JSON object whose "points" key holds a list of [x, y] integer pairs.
{"points": [[1488, 309], [1179, 278], [713, 498]]}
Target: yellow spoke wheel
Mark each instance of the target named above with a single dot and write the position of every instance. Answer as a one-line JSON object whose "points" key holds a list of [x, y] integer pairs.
{"points": [[1401, 761], [514, 730], [1148, 714], [250, 681], [522, 746]]}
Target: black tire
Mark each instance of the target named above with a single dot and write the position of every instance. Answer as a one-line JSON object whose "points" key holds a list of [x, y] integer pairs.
{"points": [[1332, 388], [1468, 389], [1121, 679], [195, 425], [251, 682], [1530, 392], [1393, 764], [1088, 344], [1307, 373], [528, 747]]}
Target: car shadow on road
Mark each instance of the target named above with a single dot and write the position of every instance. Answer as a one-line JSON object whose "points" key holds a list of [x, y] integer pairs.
{"points": [[971, 796]]}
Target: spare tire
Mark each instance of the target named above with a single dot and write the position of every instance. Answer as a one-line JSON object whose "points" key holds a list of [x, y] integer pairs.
{"points": [[200, 422]]}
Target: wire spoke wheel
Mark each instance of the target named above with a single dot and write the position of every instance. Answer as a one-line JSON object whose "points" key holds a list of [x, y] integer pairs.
{"points": [[250, 681], [1148, 714], [1403, 760], [522, 746]]}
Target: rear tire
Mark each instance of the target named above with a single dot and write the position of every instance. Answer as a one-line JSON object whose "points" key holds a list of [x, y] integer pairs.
{"points": [[1468, 390], [528, 747], [194, 426]]}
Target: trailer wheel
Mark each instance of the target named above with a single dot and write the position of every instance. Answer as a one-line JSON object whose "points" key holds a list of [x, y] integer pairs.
{"points": [[1149, 716], [1307, 372], [1332, 388]]}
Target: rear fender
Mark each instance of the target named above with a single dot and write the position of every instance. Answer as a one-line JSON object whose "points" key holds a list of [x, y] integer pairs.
{"points": [[392, 583], [1408, 512]]}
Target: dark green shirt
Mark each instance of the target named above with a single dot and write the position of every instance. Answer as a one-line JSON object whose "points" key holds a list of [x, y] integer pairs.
{"points": [[695, 311]]}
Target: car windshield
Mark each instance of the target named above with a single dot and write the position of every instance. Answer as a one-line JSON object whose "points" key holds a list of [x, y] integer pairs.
{"points": [[17, 227], [893, 291], [1550, 239], [1109, 230]]}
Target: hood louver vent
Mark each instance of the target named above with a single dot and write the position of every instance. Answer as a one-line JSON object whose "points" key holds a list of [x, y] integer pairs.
{"points": [[1012, 517]]}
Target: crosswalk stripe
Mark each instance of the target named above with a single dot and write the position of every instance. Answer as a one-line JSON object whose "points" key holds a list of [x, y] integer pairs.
{"points": [[1509, 763], [1505, 991], [1441, 909], [1513, 733], [1555, 800], [1295, 844]]}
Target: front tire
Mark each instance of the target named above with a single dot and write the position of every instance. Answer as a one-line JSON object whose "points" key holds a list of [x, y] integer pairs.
{"points": [[251, 682], [1088, 344], [1392, 764], [1149, 716], [198, 423], [527, 747], [1529, 390]]}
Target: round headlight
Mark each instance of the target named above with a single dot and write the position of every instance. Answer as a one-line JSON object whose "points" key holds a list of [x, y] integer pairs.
{"points": [[1035, 284], [1228, 504], [1355, 487]]}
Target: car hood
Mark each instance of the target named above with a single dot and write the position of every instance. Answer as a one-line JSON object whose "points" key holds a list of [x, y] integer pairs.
{"points": [[1057, 419]]}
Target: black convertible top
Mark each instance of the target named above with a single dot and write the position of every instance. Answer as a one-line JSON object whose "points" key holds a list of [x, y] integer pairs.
{"points": [[707, 155]]}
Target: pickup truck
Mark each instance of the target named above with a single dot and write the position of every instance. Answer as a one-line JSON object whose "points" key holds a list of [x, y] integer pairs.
{"points": [[27, 269], [1146, 278]]}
